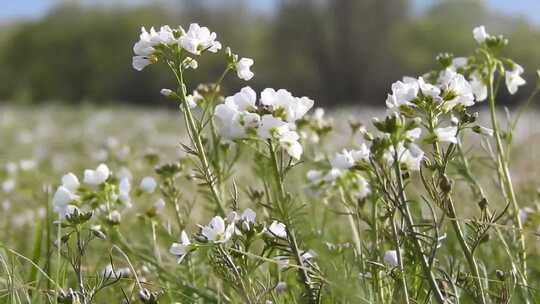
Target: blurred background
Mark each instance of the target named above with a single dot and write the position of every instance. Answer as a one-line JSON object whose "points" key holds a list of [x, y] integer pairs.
{"points": [[335, 51]]}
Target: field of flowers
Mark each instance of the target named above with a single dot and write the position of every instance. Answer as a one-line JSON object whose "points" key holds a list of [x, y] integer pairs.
{"points": [[262, 197]]}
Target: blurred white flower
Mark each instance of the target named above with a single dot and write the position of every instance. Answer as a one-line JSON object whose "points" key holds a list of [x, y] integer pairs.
{"points": [[70, 181], [140, 62], [216, 231], [159, 205], [362, 188], [278, 229], [166, 92], [124, 187], [98, 176], [198, 39], [343, 160], [27, 164], [61, 201], [480, 34], [390, 257], [411, 156], [148, 184], [289, 142], [8, 185], [180, 249], [243, 68], [428, 89], [478, 86], [11, 168], [513, 78], [314, 175], [446, 134], [110, 273], [413, 134], [271, 127]]}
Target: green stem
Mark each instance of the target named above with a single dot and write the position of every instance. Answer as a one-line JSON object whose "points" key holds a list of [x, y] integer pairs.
{"points": [[400, 261], [410, 224], [473, 265], [505, 176], [291, 236], [197, 141]]}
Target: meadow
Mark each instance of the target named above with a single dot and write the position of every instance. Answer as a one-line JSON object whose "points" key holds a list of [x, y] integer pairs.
{"points": [[266, 198]]}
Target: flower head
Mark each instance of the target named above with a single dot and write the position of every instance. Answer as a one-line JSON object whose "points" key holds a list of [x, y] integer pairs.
{"points": [[198, 39], [513, 78], [447, 134], [97, 176], [480, 34], [278, 229], [390, 257], [148, 184], [216, 231], [243, 68], [181, 249]]}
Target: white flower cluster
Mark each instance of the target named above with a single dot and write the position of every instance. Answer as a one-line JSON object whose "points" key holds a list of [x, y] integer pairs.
{"points": [[273, 118], [220, 230], [341, 172], [196, 40], [67, 198]]}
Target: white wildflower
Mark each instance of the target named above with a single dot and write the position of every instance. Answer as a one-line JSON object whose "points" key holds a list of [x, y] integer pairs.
{"points": [[198, 39], [181, 249], [243, 68], [446, 134], [148, 184], [478, 86], [216, 231], [278, 229], [390, 257], [513, 78], [98, 176], [480, 34]]}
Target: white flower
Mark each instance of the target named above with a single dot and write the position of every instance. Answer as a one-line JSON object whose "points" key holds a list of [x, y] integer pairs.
{"points": [[390, 257], [244, 100], [11, 168], [513, 78], [459, 62], [278, 229], [216, 231], [140, 62], [70, 181], [243, 68], [181, 249], [362, 188], [429, 89], [460, 89], [361, 154], [332, 175], [478, 86], [198, 39], [27, 164], [480, 34], [294, 107], [8, 185], [413, 134], [190, 63], [114, 217], [289, 142], [148, 184], [233, 117], [147, 40], [159, 205], [483, 130], [343, 160], [61, 201], [271, 127], [248, 218], [98, 176], [123, 191], [411, 156], [402, 94], [314, 175], [194, 99], [115, 273], [447, 134], [166, 92]]}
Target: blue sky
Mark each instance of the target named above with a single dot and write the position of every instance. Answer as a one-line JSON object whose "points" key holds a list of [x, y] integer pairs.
{"points": [[35, 8]]}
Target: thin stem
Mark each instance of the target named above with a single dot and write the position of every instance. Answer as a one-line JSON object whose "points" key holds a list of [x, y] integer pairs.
{"points": [[473, 265], [404, 208], [506, 179], [197, 141], [291, 236], [400, 260]]}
